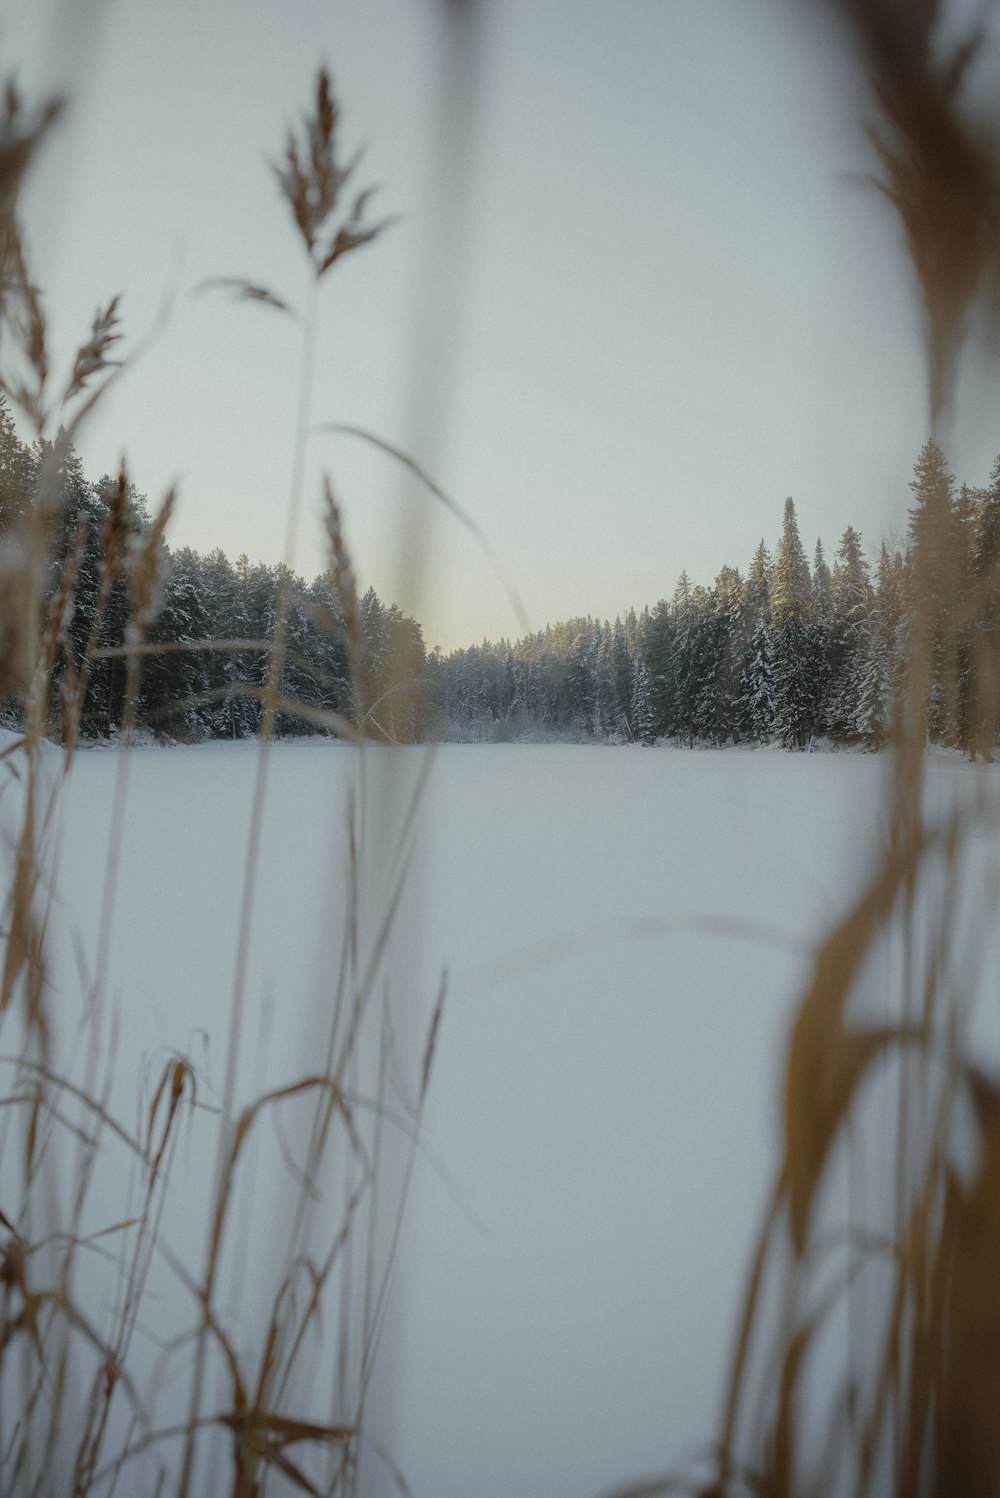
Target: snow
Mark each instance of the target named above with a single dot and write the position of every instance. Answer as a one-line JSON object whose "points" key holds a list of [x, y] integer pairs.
{"points": [[624, 932]]}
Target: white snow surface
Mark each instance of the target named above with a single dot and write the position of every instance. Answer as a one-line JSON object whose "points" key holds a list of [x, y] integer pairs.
{"points": [[625, 933]]}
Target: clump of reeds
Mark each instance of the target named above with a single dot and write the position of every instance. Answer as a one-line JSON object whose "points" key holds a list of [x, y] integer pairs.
{"points": [[868, 1357], [72, 1416]]}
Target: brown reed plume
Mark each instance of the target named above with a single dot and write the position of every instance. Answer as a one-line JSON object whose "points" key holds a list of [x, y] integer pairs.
{"points": [[910, 1408], [348, 1100], [42, 1322]]}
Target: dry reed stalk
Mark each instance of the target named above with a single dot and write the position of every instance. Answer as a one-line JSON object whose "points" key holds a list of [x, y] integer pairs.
{"points": [[344, 588], [44, 1316], [40, 1318], [915, 1413], [312, 179]]}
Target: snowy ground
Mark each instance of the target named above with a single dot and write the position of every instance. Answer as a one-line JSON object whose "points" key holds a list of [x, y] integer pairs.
{"points": [[625, 932]]}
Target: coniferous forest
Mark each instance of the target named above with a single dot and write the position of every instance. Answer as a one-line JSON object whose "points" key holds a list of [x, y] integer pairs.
{"points": [[783, 652]]}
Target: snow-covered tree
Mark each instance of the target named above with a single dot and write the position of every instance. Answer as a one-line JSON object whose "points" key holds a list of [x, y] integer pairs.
{"points": [[757, 686], [934, 572]]}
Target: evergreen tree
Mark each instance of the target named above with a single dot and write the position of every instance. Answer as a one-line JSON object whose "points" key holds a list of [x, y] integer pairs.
{"points": [[731, 643], [791, 584], [174, 682], [327, 648], [229, 712], [605, 714], [985, 587], [685, 663], [658, 668], [18, 470], [642, 714], [757, 589], [879, 654], [821, 603], [300, 684], [798, 669], [821, 637], [580, 676], [75, 552], [934, 574], [757, 714], [372, 670], [851, 640], [622, 650]]}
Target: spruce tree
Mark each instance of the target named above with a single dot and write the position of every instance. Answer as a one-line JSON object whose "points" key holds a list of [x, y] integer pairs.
{"points": [[731, 643], [851, 597], [18, 470], [623, 716], [880, 657], [821, 637], [934, 575], [985, 587], [821, 604], [797, 667], [757, 589], [174, 682], [658, 667], [641, 692], [684, 662], [791, 584], [756, 703]]}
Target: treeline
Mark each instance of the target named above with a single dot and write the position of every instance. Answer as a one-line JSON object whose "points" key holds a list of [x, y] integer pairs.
{"points": [[370, 669], [785, 652]]}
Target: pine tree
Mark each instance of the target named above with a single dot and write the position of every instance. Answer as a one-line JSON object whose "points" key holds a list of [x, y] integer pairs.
{"points": [[300, 684], [967, 728], [797, 665], [880, 657], [731, 645], [580, 678], [18, 470], [623, 647], [851, 597], [604, 678], [256, 605], [658, 668], [174, 682], [685, 673], [757, 714], [791, 584], [985, 586], [229, 711], [75, 545], [372, 670], [328, 647], [757, 589], [872, 714], [821, 638], [642, 714], [821, 602], [934, 574]]}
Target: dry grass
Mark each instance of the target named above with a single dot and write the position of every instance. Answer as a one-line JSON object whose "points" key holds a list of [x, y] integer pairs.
{"points": [[868, 1357], [913, 1407], [73, 1418]]}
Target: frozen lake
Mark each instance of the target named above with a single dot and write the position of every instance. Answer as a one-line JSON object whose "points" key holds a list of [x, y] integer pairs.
{"points": [[624, 932]]}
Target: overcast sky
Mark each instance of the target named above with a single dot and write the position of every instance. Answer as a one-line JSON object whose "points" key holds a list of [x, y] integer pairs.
{"points": [[672, 299]]}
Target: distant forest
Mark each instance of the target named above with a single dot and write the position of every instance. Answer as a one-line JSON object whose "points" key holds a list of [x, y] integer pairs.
{"points": [[782, 653]]}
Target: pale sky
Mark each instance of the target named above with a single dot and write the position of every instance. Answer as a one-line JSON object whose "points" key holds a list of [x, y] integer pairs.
{"points": [[676, 304]]}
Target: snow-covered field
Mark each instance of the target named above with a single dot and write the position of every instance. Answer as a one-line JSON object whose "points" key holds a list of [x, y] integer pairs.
{"points": [[624, 933]]}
